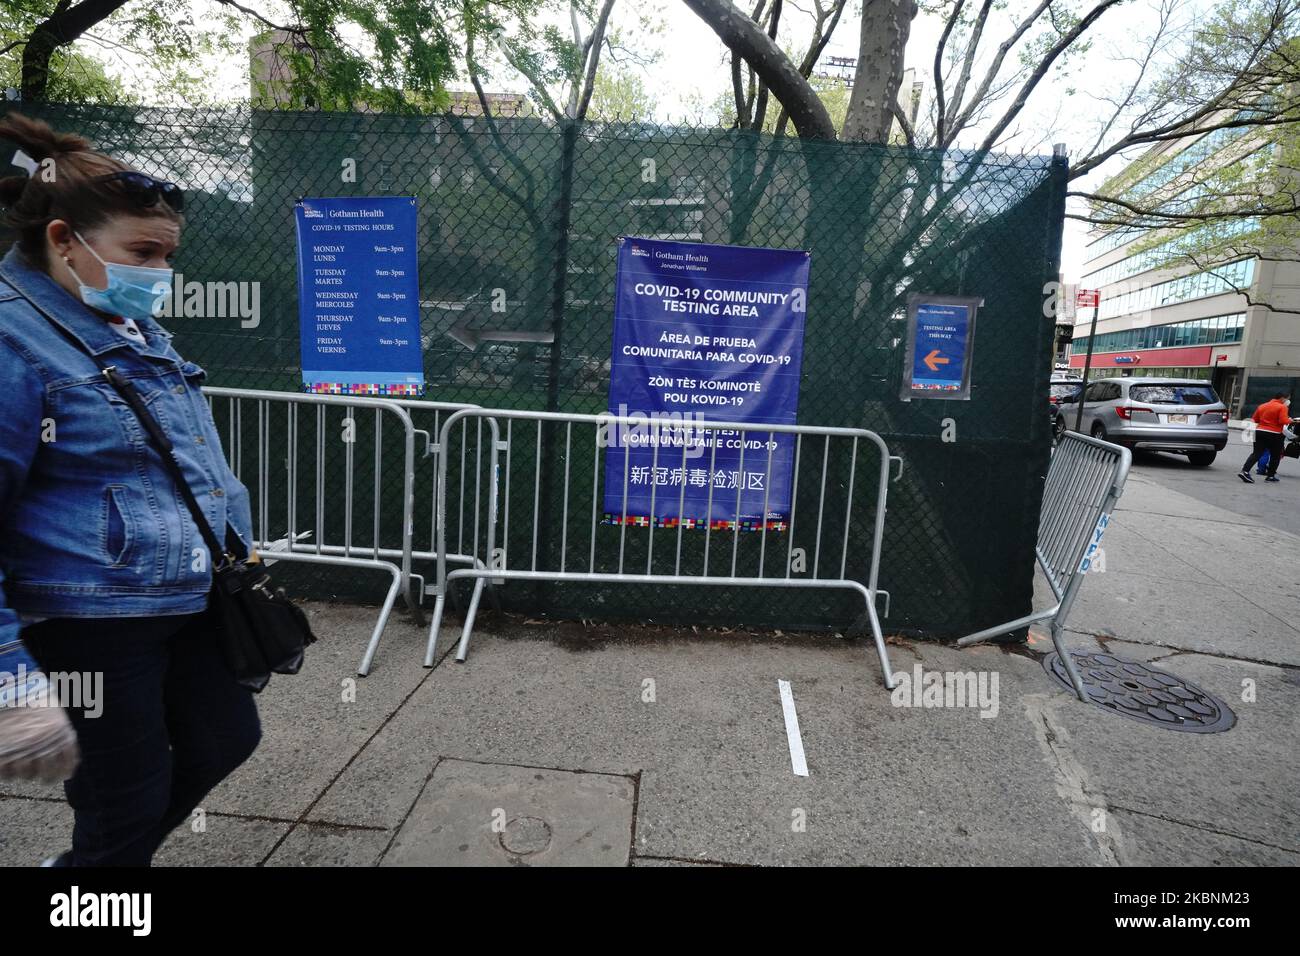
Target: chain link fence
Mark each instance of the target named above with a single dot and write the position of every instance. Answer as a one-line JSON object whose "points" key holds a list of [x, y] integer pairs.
{"points": [[518, 220]]}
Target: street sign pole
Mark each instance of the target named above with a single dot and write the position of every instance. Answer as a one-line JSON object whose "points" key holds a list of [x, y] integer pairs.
{"points": [[1087, 361]]}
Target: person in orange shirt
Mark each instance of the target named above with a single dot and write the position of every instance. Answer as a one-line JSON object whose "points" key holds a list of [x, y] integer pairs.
{"points": [[1270, 420]]}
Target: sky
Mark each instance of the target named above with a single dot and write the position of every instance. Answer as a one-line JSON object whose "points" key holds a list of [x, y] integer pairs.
{"points": [[690, 66], [1113, 38]]}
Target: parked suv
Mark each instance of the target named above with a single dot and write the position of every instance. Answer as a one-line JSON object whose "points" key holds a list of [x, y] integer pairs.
{"points": [[1155, 414], [1063, 389]]}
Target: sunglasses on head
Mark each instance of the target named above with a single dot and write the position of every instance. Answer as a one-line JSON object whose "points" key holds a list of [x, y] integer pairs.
{"points": [[146, 190]]}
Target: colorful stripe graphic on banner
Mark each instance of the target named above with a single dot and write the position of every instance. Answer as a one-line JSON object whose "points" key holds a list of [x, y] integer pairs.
{"points": [[641, 521]]}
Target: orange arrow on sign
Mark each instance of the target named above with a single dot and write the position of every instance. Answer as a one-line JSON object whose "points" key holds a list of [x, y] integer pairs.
{"points": [[932, 361]]}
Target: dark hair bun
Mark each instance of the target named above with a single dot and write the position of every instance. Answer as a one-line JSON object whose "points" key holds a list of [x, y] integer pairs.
{"points": [[77, 193], [38, 140], [11, 187]]}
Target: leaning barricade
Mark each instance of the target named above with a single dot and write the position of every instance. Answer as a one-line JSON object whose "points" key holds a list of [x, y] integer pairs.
{"points": [[1084, 482], [334, 481], [528, 504]]}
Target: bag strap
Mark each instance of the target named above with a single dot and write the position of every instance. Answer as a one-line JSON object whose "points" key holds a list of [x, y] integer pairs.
{"points": [[161, 442], [164, 447]]}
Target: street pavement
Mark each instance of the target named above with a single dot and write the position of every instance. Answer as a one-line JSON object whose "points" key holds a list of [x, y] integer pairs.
{"points": [[617, 744], [1274, 504]]}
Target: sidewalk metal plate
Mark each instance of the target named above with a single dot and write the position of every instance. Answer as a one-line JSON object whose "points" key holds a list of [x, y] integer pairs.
{"points": [[479, 814]]}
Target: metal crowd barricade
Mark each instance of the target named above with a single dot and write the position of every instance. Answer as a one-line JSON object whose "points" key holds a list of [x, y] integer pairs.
{"points": [[428, 416], [597, 550], [1084, 482], [358, 455]]}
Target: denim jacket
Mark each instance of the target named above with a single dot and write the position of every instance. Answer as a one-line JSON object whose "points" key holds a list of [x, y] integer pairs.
{"points": [[91, 525]]}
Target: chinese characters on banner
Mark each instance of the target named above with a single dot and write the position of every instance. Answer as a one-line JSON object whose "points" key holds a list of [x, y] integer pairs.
{"points": [[704, 332]]}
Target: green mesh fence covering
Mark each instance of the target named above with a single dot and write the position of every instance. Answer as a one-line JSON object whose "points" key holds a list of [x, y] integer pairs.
{"points": [[533, 209]]}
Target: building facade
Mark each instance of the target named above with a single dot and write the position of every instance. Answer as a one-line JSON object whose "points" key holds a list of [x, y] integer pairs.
{"points": [[1160, 318]]}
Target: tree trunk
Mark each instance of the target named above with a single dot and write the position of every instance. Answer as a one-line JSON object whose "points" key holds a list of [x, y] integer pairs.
{"points": [[885, 26], [63, 27]]}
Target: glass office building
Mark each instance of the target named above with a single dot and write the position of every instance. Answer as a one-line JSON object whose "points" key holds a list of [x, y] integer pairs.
{"points": [[1157, 317]]}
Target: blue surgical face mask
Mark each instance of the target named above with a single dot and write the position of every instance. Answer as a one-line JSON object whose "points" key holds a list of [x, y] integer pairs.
{"points": [[133, 292]]}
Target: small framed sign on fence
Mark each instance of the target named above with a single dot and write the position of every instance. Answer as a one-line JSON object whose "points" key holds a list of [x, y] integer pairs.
{"points": [[359, 296], [940, 342]]}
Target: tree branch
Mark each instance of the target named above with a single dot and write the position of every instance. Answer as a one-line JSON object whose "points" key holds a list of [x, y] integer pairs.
{"points": [[938, 69], [968, 61], [1080, 28], [1244, 293], [743, 37], [981, 95], [760, 106], [301, 31], [593, 59], [1189, 123], [64, 26]]}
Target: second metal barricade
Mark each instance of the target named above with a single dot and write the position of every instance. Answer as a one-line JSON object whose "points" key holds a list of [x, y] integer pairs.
{"points": [[528, 504], [1084, 482]]}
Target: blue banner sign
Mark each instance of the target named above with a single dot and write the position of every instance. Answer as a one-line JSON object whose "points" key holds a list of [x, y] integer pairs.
{"points": [[940, 337], [704, 333], [359, 296]]}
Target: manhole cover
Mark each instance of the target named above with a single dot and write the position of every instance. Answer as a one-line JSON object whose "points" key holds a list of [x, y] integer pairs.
{"points": [[1144, 693]]}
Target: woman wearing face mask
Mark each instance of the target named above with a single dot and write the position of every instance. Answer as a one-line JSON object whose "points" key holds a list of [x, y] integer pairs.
{"points": [[104, 572]]}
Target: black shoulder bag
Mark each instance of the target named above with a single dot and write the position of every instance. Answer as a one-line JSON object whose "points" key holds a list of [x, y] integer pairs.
{"points": [[261, 631]]}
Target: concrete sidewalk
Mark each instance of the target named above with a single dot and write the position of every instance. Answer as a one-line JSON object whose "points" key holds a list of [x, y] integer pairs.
{"points": [[618, 744]]}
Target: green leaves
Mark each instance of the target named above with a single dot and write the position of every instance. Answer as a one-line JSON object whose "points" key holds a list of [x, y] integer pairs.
{"points": [[316, 54]]}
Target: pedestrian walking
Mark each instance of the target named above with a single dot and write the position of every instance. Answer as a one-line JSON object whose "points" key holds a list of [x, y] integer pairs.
{"points": [[104, 571], [1271, 420]]}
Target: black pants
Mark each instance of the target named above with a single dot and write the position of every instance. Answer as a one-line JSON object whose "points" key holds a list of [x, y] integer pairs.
{"points": [[1271, 442], [172, 724]]}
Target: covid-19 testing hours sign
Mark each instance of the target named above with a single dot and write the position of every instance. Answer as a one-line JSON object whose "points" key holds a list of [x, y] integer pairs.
{"points": [[704, 332], [359, 296], [940, 339]]}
